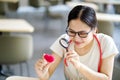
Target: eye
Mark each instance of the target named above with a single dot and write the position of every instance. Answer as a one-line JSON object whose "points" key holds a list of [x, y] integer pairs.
{"points": [[71, 31], [83, 33]]}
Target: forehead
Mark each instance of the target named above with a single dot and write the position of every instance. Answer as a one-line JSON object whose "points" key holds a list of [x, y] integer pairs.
{"points": [[77, 24]]}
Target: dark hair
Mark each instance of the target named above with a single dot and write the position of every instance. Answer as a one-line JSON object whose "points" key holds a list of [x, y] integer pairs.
{"points": [[85, 14]]}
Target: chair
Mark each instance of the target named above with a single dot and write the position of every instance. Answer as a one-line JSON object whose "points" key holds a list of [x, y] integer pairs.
{"points": [[59, 12], [8, 7], [106, 27], [15, 49], [117, 9]]}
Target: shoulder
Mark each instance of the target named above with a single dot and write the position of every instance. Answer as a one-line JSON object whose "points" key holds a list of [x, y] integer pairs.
{"points": [[104, 37], [105, 40], [108, 45]]}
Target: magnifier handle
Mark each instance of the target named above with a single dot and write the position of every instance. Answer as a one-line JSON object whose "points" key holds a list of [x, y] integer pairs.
{"points": [[65, 61], [66, 49]]}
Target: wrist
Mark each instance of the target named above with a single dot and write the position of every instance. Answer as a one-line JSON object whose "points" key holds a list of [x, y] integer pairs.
{"points": [[43, 79], [78, 67]]}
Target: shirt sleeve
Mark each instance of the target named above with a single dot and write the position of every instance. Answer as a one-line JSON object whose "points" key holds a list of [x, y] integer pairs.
{"points": [[108, 46], [57, 48]]}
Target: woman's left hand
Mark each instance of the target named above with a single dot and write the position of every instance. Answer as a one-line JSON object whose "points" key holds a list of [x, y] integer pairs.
{"points": [[73, 58]]}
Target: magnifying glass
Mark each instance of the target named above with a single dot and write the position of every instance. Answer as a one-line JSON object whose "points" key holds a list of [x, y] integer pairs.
{"points": [[64, 43]]}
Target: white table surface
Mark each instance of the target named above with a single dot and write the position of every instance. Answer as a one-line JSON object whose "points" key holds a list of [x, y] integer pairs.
{"points": [[21, 78], [108, 17], [15, 25], [115, 2], [13, 1], [72, 4]]}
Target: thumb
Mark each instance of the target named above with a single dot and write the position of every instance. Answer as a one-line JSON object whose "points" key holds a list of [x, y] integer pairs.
{"points": [[48, 66], [73, 61], [73, 51], [70, 50]]}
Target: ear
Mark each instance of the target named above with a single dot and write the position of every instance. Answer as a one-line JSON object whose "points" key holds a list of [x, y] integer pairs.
{"points": [[95, 30]]}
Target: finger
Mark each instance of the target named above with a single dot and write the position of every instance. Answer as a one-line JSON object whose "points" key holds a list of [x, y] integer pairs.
{"points": [[43, 55], [72, 61], [75, 63], [46, 67], [40, 64], [39, 68], [71, 55], [39, 61], [71, 52], [68, 53]]}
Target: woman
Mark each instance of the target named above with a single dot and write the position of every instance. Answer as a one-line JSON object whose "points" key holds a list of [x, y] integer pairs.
{"points": [[90, 55]]}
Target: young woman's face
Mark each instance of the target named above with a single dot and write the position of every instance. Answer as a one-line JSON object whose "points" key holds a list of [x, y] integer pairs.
{"points": [[80, 33]]}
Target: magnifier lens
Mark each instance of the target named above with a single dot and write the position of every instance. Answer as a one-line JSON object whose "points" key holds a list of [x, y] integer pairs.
{"points": [[64, 43]]}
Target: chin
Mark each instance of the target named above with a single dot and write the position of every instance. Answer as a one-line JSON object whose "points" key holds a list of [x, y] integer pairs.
{"points": [[80, 46]]}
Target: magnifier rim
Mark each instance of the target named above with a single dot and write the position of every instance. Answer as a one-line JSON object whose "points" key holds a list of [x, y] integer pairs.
{"points": [[63, 39]]}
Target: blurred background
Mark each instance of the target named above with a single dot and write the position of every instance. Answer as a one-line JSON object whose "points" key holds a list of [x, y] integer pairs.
{"points": [[48, 19]]}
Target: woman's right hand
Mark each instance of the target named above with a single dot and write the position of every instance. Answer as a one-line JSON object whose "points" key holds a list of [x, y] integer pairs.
{"points": [[42, 67]]}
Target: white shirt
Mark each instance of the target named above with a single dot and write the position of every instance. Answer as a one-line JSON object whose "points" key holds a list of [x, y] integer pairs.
{"points": [[91, 59]]}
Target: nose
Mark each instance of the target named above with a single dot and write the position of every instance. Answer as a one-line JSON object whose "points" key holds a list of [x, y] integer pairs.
{"points": [[77, 37]]}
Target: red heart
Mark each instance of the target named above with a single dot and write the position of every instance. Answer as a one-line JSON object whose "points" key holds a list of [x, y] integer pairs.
{"points": [[48, 57]]}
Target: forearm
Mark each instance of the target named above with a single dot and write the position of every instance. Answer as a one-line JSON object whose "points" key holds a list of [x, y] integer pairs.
{"points": [[49, 73], [90, 74], [47, 76], [43, 78]]}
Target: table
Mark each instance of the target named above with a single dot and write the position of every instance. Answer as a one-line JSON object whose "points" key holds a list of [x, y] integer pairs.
{"points": [[15, 25], [116, 2], [9, 6], [108, 17], [105, 5], [71, 4], [13, 1], [15, 44], [105, 22], [21, 78]]}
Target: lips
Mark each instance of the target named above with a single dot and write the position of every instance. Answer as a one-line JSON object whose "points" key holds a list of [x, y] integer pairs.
{"points": [[48, 57], [78, 43]]}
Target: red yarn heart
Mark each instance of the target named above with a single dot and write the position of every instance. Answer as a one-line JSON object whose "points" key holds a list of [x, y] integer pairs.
{"points": [[48, 57]]}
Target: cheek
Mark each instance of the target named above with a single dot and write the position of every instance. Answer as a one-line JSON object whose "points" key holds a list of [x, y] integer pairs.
{"points": [[71, 38], [89, 38]]}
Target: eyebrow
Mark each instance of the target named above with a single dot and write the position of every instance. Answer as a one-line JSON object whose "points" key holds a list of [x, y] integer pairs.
{"points": [[77, 31]]}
